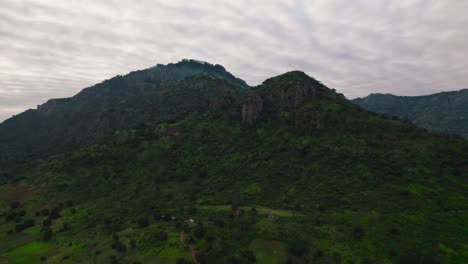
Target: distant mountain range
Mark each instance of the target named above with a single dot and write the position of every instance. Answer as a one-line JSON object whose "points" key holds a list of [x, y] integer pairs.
{"points": [[443, 112], [185, 163]]}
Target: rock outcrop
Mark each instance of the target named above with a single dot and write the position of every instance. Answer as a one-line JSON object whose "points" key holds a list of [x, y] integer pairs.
{"points": [[251, 109]]}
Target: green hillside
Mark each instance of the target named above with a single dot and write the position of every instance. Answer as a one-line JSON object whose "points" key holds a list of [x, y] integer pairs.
{"points": [[443, 112], [204, 168]]}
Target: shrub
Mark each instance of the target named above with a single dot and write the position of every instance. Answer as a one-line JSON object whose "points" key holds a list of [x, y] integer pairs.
{"points": [[113, 259], [192, 210], [199, 231], [183, 261], [298, 247], [26, 224], [133, 243], [119, 246], [14, 205], [161, 235], [219, 222], [55, 213], [47, 234], [249, 256], [45, 212], [47, 222], [358, 232], [143, 222]]}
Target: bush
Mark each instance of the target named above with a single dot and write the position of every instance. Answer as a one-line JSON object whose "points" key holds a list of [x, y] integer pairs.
{"points": [[358, 232], [133, 243], [219, 222], [249, 256], [183, 261], [201, 257], [143, 222], [47, 234], [26, 224], [14, 205], [298, 247], [55, 213], [119, 246], [161, 235], [113, 259], [192, 210], [45, 212], [47, 222], [199, 231]]}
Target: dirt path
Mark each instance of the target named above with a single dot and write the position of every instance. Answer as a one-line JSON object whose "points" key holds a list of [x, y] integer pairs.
{"points": [[194, 254], [182, 237], [192, 249]]}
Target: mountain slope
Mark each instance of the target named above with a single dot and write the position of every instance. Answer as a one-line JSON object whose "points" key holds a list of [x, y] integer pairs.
{"points": [[288, 171], [161, 93], [444, 112]]}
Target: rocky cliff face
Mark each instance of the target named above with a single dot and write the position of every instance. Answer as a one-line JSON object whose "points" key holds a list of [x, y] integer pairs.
{"points": [[251, 109], [292, 98]]}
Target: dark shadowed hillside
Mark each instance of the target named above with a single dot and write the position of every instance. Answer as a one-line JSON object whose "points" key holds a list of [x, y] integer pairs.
{"points": [[444, 112], [151, 95], [192, 166]]}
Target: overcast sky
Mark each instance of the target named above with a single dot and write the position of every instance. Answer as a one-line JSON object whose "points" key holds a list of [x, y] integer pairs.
{"points": [[54, 48]]}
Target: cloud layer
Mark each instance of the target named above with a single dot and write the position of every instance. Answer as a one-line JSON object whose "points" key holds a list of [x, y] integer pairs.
{"points": [[54, 48]]}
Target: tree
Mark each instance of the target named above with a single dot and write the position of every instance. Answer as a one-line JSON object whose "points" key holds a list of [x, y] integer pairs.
{"points": [[199, 231], [14, 205], [358, 232], [47, 234], [143, 222], [183, 261], [26, 224], [119, 246], [249, 256], [47, 222], [161, 235], [299, 247], [133, 243]]}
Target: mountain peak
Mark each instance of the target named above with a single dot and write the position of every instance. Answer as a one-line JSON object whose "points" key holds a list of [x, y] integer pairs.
{"points": [[189, 67], [291, 77]]}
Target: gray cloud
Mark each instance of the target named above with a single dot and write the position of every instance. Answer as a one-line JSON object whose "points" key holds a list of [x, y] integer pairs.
{"points": [[54, 48]]}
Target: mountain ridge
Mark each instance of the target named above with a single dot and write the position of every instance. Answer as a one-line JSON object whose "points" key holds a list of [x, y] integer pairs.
{"points": [[92, 110], [443, 112]]}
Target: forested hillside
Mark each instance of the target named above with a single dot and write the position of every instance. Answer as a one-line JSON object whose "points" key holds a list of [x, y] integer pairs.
{"points": [[185, 163], [443, 112]]}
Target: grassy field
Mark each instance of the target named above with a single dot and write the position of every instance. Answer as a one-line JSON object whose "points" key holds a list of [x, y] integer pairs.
{"points": [[29, 253]]}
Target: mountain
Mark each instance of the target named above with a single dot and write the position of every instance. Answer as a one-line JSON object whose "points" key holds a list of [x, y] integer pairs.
{"points": [[443, 112], [151, 95], [205, 169]]}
